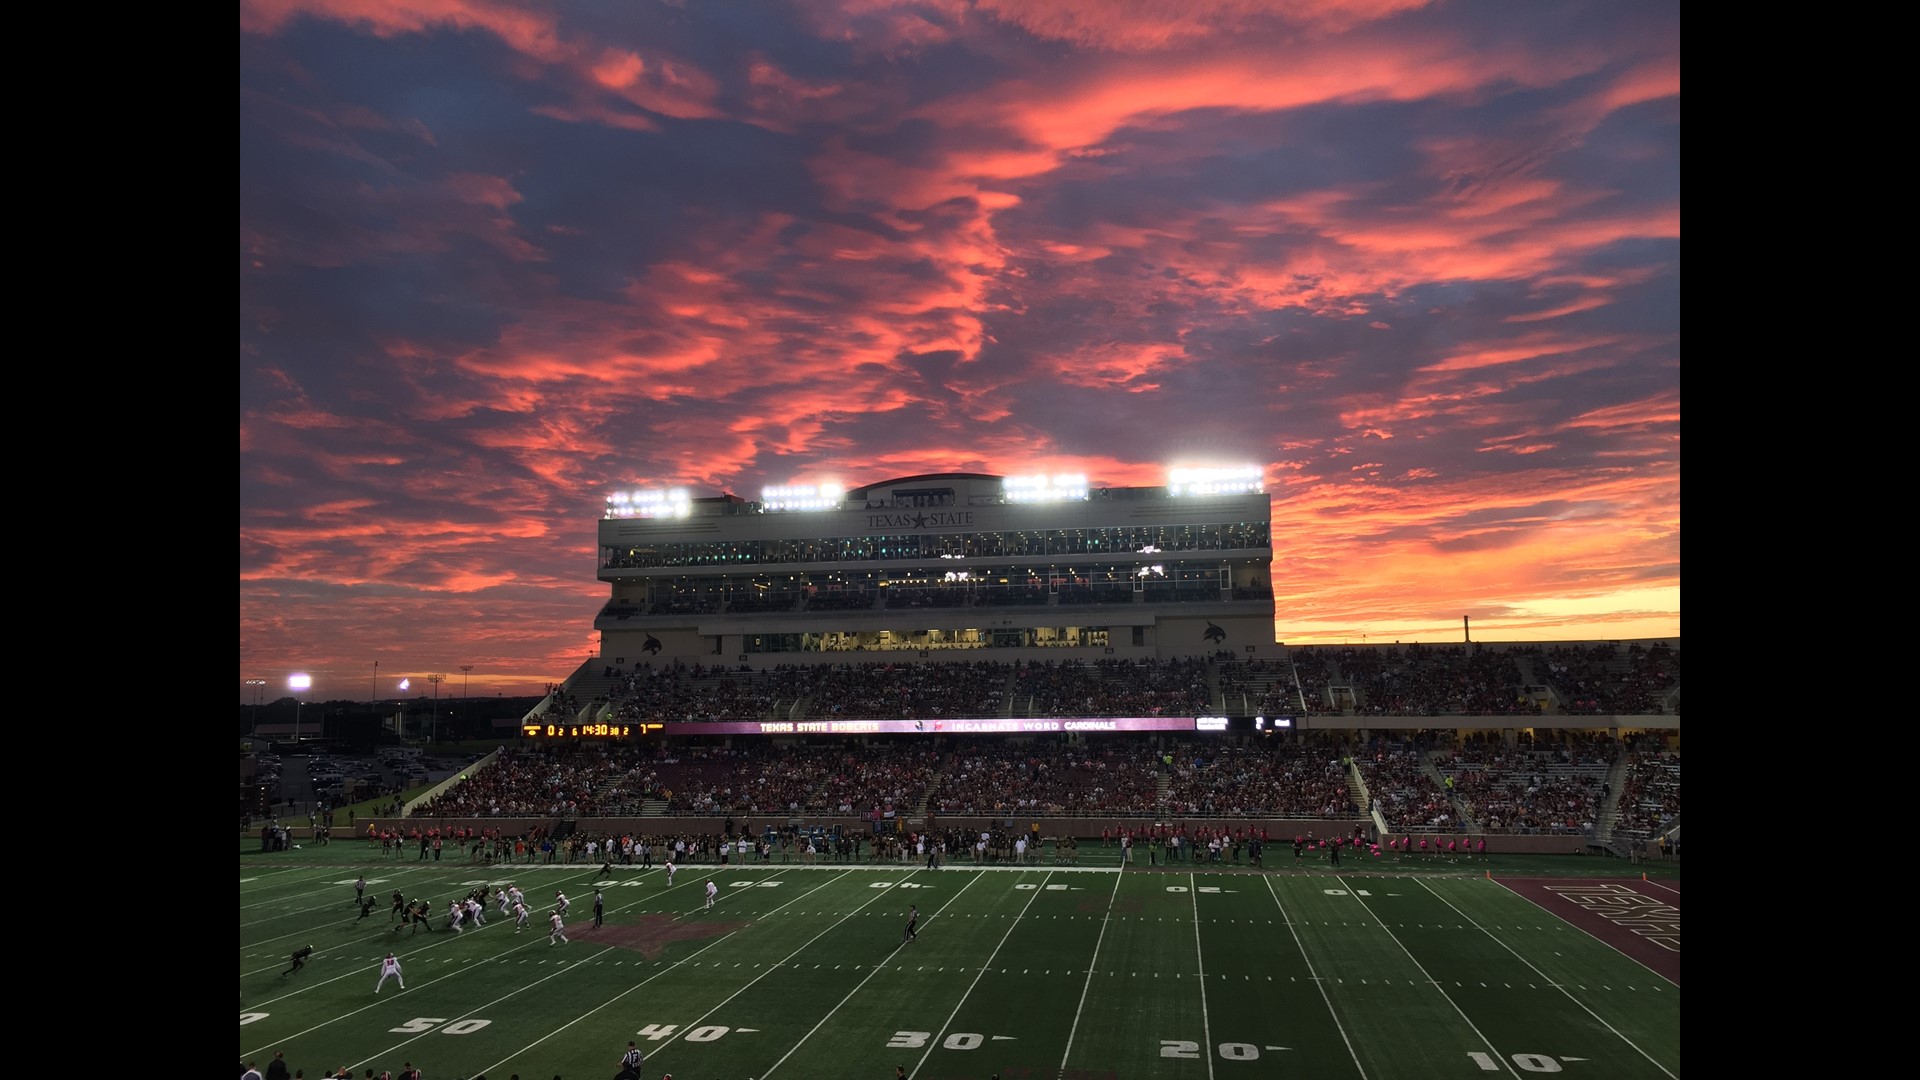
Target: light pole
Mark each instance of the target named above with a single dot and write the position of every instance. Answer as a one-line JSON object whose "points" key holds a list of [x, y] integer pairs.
{"points": [[466, 718], [256, 684], [436, 680], [405, 686], [298, 683]]}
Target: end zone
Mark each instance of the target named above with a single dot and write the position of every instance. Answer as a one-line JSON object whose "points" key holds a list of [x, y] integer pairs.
{"points": [[1631, 915]]}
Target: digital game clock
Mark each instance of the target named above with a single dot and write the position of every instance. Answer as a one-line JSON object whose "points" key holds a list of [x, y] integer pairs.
{"points": [[582, 731]]}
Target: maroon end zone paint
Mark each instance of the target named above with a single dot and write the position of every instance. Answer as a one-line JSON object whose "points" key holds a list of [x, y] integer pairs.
{"points": [[1639, 918]]}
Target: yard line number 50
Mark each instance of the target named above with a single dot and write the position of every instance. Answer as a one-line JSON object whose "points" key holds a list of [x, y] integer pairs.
{"points": [[422, 1024]]}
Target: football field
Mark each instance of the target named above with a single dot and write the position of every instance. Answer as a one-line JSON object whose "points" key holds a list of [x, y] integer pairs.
{"points": [[1038, 971]]}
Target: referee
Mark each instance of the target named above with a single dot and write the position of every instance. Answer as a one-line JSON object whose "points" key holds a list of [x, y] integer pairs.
{"points": [[631, 1061]]}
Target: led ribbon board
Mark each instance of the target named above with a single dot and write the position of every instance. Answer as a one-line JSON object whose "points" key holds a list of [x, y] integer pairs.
{"points": [[986, 726]]}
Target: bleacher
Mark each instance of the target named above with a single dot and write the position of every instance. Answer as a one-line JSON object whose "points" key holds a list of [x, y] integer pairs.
{"points": [[1650, 798], [1257, 688], [1521, 791], [1604, 678]]}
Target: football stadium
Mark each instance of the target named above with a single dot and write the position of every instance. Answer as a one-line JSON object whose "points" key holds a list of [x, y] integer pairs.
{"points": [[964, 776]]}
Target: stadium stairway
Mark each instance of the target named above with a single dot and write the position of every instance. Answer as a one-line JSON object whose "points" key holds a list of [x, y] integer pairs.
{"points": [[1610, 812], [1161, 784], [1357, 786], [1462, 813], [926, 796]]}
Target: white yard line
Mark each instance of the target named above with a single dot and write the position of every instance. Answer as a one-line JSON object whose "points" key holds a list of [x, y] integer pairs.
{"points": [[511, 993], [1657, 885], [288, 913], [877, 968], [444, 939], [976, 978], [783, 960], [496, 1065], [1586, 931], [1435, 983], [315, 877], [1549, 981], [429, 982], [288, 870], [1092, 965], [1206, 1024], [1317, 981], [371, 887], [308, 931]]}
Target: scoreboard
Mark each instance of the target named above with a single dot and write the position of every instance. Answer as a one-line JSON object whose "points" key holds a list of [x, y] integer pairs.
{"points": [[1243, 724], [597, 732]]}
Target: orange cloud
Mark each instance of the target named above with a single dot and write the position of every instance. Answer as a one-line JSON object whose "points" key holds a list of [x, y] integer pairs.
{"points": [[1148, 25]]}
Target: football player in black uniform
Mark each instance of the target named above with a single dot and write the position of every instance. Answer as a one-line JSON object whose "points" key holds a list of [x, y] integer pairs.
{"points": [[299, 959]]}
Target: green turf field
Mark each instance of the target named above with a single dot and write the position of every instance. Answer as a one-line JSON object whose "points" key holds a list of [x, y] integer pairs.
{"points": [[1031, 972]]}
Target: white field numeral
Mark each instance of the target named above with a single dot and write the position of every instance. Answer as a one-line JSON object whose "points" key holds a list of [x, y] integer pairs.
{"points": [[1534, 1063], [1190, 1050], [419, 1025], [464, 1027]]}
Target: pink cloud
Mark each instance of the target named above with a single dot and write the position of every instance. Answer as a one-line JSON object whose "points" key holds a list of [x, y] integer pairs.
{"points": [[1148, 25], [527, 32]]}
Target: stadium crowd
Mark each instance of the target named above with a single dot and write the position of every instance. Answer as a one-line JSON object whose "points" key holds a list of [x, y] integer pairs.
{"points": [[1552, 785], [1048, 778], [1292, 779], [1650, 794], [1413, 680]]}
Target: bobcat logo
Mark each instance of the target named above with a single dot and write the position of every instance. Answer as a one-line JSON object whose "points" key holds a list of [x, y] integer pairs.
{"points": [[651, 645], [1214, 634]]}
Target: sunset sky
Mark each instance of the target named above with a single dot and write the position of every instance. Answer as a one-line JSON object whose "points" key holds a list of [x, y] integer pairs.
{"points": [[1421, 261]]}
